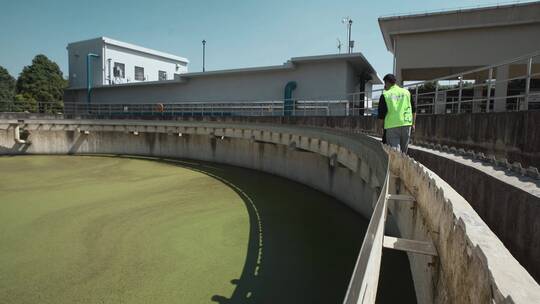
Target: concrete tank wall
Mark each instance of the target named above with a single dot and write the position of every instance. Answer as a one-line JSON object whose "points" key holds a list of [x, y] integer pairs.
{"points": [[473, 265], [509, 210], [512, 213], [356, 189], [511, 135]]}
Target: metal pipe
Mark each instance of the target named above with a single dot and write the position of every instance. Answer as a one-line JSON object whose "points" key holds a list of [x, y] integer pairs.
{"points": [[17, 135], [109, 70], [460, 93], [89, 75], [203, 54], [350, 29], [288, 102], [490, 77], [416, 97], [435, 101]]}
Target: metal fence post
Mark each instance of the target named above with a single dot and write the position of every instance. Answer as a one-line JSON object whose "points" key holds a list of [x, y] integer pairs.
{"points": [[328, 113], [435, 108], [488, 100], [460, 94], [416, 96]]}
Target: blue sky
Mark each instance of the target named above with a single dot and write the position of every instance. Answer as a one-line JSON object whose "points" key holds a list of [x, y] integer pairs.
{"points": [[239, 33]]}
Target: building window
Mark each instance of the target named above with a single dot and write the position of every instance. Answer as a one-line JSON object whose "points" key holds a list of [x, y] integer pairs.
{"points": [[139, 73], [119, 70], [162, 75]]}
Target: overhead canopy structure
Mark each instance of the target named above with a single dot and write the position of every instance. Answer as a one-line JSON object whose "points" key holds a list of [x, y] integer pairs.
{"points": [[432, 45]]}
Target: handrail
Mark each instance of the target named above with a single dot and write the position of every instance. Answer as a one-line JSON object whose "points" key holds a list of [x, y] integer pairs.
{"points": [[352, 104], [453, 9], [365, 278]]}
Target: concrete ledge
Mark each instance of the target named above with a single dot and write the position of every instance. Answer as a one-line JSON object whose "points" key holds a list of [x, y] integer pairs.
{"points": [[474, 265], [510, 135], [509, 203]]}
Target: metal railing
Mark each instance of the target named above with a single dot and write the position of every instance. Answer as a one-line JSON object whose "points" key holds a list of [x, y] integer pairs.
{"points": [[453, 9], [365, 278], [325, 107], [484, 89], [241, 108], [480, 90], [32, 107]]}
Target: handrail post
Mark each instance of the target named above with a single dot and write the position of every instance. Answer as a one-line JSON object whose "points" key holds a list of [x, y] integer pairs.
{"points": [[435, 101], [460, 94], [490, 78], [416, 96], [525, 105], [328, 113]]}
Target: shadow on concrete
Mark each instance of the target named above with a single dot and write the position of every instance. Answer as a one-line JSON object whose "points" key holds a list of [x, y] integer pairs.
{"points": [[15, 149], [77, 144]]}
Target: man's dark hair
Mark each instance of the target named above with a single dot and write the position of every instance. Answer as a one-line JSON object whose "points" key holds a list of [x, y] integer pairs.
{"points": [[390, 78]]}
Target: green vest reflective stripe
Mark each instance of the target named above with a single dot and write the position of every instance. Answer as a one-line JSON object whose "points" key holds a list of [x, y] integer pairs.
{"points": [[398, 103]]}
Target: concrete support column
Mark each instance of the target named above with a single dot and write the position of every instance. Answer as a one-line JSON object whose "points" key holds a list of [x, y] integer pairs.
{"points": [[399, 78], [440, 103], [397, 67], [501, 89], [478, 94]]}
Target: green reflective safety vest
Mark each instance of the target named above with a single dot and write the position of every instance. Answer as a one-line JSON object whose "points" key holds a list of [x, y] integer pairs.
{"points": [[398, 103]]}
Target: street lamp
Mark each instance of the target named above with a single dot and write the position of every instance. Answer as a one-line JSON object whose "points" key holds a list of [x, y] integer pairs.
{"points": [[203, 54], [348, 22], [89, 57]]}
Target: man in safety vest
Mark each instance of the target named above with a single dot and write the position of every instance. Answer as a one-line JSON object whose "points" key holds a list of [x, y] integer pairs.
{"points": [[398, 112]]}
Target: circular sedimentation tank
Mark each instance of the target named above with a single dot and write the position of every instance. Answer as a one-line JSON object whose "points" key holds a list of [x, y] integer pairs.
{"points": [[109, 229]]}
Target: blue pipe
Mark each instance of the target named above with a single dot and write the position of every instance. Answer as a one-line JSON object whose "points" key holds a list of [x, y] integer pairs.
{"points": [[89, 75], [288, 102]]}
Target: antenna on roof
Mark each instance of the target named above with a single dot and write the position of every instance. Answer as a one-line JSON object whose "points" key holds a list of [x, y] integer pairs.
{"points": [[339, 45]]}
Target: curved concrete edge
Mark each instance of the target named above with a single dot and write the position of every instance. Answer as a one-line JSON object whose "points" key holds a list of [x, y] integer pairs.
{"points": [[474, 264], [351, 168], [508, 202]]}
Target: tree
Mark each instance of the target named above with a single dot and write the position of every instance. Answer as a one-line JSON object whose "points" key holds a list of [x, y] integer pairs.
{"points": [[7, 89], [42, 81]]}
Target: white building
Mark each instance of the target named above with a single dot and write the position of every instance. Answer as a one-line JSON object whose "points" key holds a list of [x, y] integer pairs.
{"points": [[118, 62], [334, 77]]}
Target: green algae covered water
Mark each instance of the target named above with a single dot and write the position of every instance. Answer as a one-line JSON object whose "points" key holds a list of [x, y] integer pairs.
{"points": [[96, 229]]}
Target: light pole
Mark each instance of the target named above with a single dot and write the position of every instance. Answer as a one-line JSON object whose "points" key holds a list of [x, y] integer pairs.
{"points": [[203, 54], [348, 22], [350, 41], [89, 76]]}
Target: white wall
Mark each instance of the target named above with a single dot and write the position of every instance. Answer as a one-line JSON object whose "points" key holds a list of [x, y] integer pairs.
{"points": [[448, 52], [77, 63], [316, 80], [151, 64], [77, 53]]}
